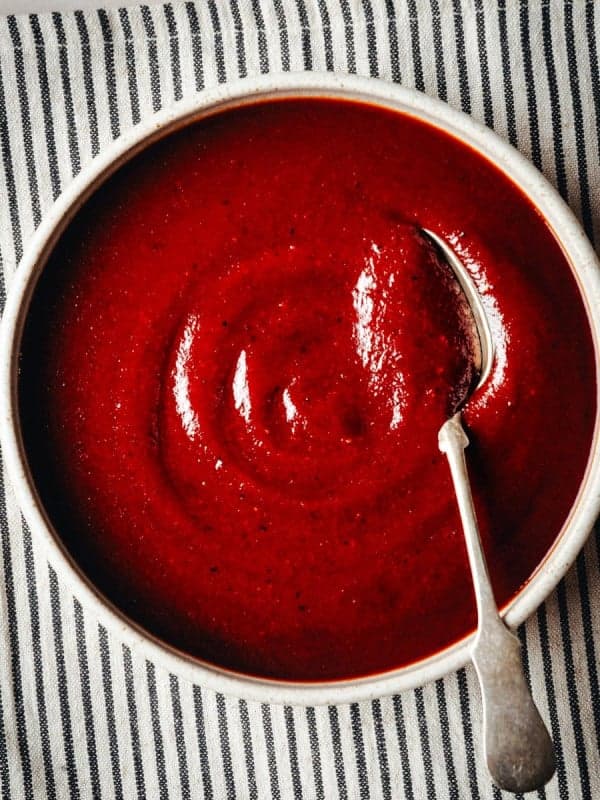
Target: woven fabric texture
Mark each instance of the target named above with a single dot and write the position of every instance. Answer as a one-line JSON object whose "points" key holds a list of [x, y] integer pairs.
{"points": [[82, 716]]}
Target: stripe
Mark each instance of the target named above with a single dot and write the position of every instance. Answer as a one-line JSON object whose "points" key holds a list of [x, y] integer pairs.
{"points": [[271, 757], [34, 196], [197, 60], [109, 65], [597, 541], [327, 36], [571, 675], [88, 81], [38, 665], [486, 89], [465, 714], [522, 634], [218, 41], [9, 175], [589, 643], [590, 29], [13, 637], [134, 730], [159, 748], [315, 754], [240, 46], [4, 763], [86, 699], [461, 58], [61, 675], [336, 741], [509, 100], [248, 750], [551, 700], [293, 751], [371, 38], [438, 50], [109, 703], [382, 756], [184, 778], [348, 36], [40, 51], [419, 81], [263, 48], [536, 153], [284, 43], [68, 94], [5, 788], [425, 747], [152, 57], [174, 51], [555, 110], [202, 748], [134, 99], [579, 127], [440, 691], [393, 41], [4, 770], [403, 747], [3, 514], [359, 751], [304, 34], [225, 746]]}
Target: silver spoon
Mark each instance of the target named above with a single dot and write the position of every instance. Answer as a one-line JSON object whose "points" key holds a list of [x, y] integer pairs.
{"points": [[518, 748]]}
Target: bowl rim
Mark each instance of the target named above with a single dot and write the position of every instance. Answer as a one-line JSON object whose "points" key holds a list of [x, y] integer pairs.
{"points": [[375, 92]]}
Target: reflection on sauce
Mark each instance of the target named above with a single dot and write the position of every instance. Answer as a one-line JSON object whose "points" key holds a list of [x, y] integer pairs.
{"points": [[236, 366]]}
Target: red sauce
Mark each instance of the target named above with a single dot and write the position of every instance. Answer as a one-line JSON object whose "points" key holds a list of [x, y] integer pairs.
{"points": [[236, 365]]}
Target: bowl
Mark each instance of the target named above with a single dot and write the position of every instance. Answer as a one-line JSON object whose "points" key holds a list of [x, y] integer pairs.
{"points": [[558, 216]]}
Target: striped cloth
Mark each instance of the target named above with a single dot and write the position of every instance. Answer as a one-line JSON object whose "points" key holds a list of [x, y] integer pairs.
{"points": [[80, 714]]}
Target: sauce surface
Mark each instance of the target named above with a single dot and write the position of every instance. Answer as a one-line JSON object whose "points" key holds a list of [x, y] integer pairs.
{"points": [[235, 367]]}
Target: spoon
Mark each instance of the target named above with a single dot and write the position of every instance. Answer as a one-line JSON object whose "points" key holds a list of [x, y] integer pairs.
{"points": [[518, 748]]}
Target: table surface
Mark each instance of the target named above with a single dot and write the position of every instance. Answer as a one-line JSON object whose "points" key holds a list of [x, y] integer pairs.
{"points": [[81, 715]]}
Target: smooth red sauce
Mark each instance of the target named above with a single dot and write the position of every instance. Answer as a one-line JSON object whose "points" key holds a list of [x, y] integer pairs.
{"points": [[234, 371]]}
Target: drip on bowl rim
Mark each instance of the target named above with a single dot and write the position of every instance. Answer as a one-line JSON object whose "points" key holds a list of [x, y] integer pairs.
{"points": [[558, 216]]}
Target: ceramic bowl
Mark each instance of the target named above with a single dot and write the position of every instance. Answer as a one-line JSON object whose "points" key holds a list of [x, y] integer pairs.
{"points": [[577, 250]]}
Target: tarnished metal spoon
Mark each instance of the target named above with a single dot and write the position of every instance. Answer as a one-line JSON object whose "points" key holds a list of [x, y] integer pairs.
{"points": [[518, 748]]}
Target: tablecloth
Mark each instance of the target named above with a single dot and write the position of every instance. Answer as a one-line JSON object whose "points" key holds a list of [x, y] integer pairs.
{"points": [[82, 715]]}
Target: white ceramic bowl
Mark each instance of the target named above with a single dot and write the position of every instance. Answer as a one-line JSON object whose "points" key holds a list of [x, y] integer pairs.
{"points": [[576, 247]]}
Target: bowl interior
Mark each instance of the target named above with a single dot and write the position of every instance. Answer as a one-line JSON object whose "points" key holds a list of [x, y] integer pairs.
{"points": [[568, 232]]}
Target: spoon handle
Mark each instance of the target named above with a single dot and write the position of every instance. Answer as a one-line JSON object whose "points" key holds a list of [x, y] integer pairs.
{"points": [[518, 748]]}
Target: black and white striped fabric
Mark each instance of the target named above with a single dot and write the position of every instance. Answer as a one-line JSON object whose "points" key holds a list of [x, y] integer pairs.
{"points": [[82, 716]]}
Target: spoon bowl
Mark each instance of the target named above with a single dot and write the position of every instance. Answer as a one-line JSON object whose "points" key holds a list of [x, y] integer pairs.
{"points": [[485, 351]]}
